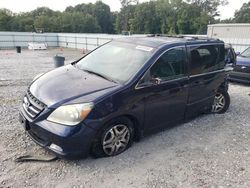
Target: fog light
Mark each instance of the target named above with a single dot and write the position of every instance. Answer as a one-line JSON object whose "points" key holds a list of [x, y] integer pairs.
{"points": [[55, 147]]}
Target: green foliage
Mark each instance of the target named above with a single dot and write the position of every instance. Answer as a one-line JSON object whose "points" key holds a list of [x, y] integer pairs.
{"points": [[78, 23], [83, 18], [99, 11], [144, 20], [103, 17], [243, 15], [124, 18], [209, 6], [153, 17], [5, 19], [187, 26]]}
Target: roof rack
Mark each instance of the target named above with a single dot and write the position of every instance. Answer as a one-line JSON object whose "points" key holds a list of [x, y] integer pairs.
{"points": [[187, 37]]}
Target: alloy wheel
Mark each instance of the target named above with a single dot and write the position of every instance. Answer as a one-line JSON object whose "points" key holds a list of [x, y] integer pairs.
{"points": [[116, 140], [219, 103]]}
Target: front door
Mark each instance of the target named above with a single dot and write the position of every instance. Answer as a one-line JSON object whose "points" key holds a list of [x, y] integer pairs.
{"points": [[165, 86]]}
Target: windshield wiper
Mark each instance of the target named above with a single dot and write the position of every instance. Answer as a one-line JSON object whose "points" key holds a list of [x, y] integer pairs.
{"points": [[100, 75]]}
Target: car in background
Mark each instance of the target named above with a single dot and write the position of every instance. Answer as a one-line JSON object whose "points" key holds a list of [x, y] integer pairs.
{"points": [[241, 71]]}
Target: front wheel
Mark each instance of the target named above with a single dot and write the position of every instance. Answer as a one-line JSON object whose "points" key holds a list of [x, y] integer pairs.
{"points": [[221, 102], [114, 139]]}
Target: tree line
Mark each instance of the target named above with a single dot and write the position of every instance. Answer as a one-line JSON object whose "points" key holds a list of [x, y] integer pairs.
{"points": [[158, 16]]}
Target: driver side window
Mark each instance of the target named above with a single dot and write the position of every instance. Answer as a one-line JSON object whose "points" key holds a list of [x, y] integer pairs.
{"points": [[171, 65]]}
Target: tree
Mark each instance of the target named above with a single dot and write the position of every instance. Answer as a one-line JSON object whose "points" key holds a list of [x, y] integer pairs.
{"points": [[126, 13], [168, 11], [42, 11], [83, 8], [243, 15], [103, 16], [145, 19], [5, 19], [44, 22], [209, 6], [22, 23], [126, 3], [124, 17], [78, 23], [158, 16], [188, 26], [99, 10]]}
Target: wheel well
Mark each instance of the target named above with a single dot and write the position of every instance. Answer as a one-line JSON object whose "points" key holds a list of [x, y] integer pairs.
{"points": [[224, 86], [136, 124]]}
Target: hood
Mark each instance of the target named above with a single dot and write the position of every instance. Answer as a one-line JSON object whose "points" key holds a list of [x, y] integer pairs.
{"points": [[243, 61], [69, 83]]}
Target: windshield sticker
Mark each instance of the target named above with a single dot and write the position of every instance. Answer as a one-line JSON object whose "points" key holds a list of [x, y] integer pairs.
{"points": [[144, 48]]}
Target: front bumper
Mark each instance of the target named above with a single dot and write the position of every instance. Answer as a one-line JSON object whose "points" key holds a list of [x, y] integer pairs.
{"points": [[239, 77], [64, 141]]}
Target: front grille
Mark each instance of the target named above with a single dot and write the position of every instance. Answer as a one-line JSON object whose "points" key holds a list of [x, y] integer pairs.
{"points": [[242, 68], [32, 106]]}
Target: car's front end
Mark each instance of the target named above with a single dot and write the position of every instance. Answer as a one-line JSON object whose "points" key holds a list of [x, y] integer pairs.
{"points": [[56, 107], [64, 141]]}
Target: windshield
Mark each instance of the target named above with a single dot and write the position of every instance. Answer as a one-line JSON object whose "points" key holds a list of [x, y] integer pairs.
{"points": [[117, 61], [246, 53]]}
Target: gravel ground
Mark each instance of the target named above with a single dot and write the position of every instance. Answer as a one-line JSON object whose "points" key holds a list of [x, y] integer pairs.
{"points": [[210, 151]]}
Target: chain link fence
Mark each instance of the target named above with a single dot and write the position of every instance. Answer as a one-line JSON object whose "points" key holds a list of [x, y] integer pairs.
{"points": [[86, 42]]}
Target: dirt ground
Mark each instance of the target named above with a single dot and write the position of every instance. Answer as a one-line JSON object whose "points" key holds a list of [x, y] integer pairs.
{"points": [[210, 151]]}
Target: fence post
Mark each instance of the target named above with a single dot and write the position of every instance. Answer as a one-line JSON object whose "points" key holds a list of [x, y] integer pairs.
{"points": [[97, 41], [57, 38], [46, 39], [14, 42], [75, 42], [86, 42], [66, 41]]}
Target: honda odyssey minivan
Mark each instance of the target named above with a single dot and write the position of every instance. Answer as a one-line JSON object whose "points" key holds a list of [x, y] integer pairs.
{"points": [[124, 90]]}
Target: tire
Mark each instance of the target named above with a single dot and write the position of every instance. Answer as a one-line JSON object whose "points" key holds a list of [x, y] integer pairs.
{"points": [[221, 102], [116, 137]]}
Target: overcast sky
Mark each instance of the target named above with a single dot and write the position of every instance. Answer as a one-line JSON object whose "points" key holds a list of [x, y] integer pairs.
{"points": [[28, 5]]}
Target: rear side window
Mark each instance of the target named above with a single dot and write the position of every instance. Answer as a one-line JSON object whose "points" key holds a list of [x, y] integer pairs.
{"points": [[207, 58]]}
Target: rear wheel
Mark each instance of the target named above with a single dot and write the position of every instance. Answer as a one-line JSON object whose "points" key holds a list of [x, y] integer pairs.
{"points": [[114, 139], [221, 102]]}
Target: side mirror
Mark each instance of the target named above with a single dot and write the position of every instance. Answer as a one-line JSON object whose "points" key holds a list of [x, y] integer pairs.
{"points": [[237, 53], [156, 81]]}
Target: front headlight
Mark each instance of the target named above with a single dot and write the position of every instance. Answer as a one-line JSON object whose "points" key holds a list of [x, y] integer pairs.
{"points": [[71, 114]]}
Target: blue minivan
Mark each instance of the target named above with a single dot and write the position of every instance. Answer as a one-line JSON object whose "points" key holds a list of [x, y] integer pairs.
{"points": [[124, 90]]}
